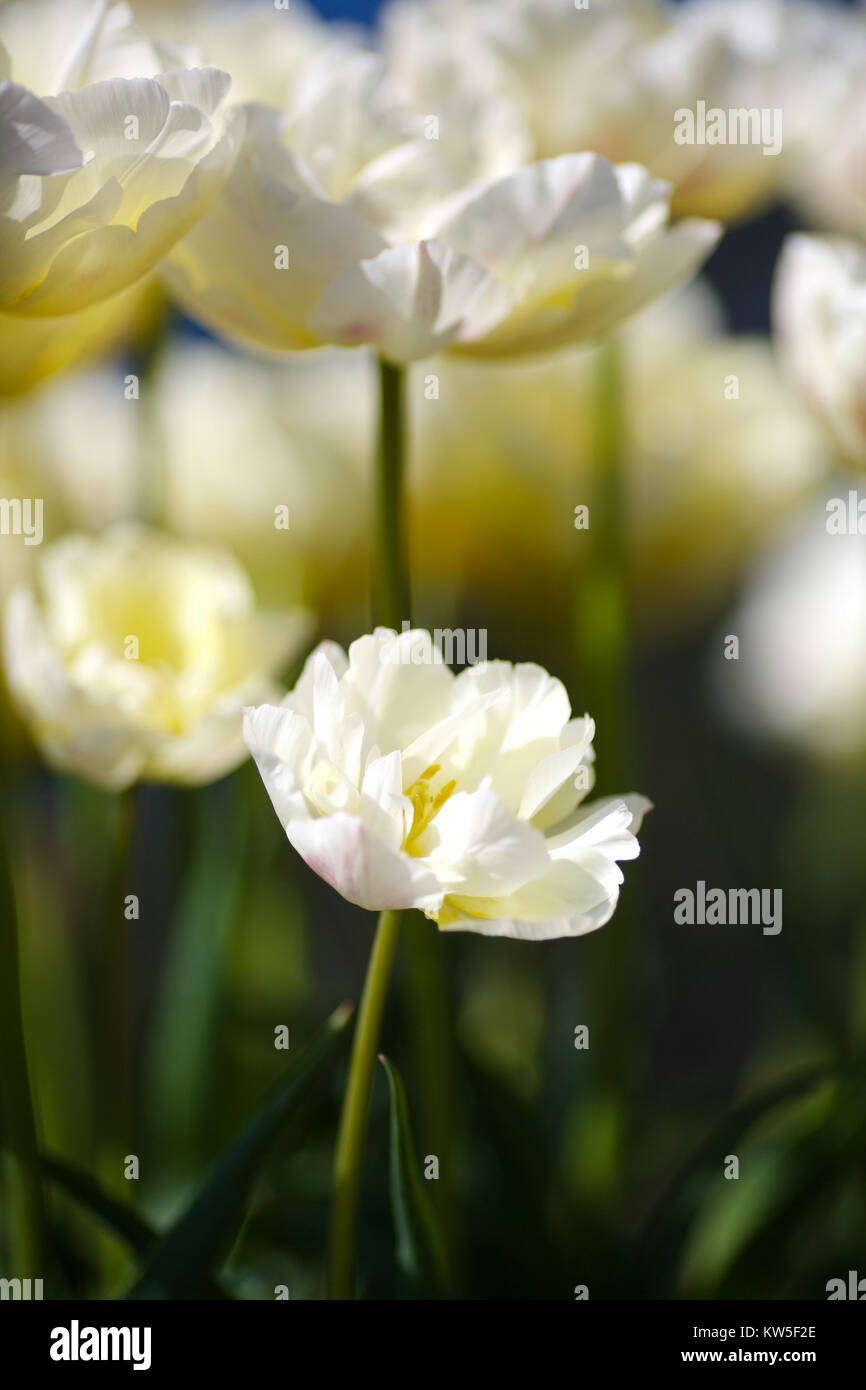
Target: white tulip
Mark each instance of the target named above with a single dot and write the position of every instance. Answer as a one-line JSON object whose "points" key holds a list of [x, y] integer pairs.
{"points": [[613, 76], [403, 785], [801, 673], [136, 653], [819, 312], [100, 177], [313, 243]]}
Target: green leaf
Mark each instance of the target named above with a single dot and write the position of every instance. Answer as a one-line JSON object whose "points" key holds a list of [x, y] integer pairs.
{"points": [[200, 1241], [419, 1249]]}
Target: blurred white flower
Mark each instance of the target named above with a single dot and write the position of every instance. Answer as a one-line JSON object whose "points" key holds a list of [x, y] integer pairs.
{"points": [[613, 77], [134, 654], [801, 673], [832, 186], [102, 176], [717, 446], [403, 785], [828, 175], [819, 312]]}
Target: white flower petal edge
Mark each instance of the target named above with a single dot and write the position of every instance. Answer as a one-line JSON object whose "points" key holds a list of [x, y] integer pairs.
{"points": [[403, 785], [33, 138]]}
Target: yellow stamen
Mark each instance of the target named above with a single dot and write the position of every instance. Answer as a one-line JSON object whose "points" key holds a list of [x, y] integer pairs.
{"points": [[425, 804]]}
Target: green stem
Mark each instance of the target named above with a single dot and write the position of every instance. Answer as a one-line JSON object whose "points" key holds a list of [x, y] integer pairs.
{"points": [[115, 1032], [153, 481], [27, 1226], [353, 1121], [601, 609], [602, 641], [391, 596]]}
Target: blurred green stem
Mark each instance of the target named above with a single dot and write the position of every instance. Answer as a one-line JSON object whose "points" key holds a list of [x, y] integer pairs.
{"points": [[25, 1202], [391, 590], [153, 481], [601, 604], [601, 631], [116, 1034], [353, 1121]]}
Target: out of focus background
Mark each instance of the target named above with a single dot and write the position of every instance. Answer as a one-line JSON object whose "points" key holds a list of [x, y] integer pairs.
{"points": [[560, 1165]]}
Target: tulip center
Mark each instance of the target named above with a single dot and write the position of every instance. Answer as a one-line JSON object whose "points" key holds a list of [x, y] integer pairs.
{"points": [[425, 805]]}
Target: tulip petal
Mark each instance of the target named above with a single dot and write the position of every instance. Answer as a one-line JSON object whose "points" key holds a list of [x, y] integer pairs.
{"points": [[34, 139], [361, 866]]}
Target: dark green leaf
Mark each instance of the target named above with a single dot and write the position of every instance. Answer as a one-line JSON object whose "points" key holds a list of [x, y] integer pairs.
{"points": [[419, 1249], [198, 1243]]}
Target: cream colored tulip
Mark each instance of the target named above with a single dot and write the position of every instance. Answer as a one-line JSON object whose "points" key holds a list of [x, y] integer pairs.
{"points": [[403, 785], [126, 164], [801, 676], [614, 77], [337, 226], [134, 654]]}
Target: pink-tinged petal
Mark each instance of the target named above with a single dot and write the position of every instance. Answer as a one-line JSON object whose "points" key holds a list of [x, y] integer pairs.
{"points": [[410, 301], [361, 866]]}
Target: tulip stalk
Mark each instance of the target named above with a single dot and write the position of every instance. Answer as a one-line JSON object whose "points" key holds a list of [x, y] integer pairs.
{"points": [[602, 639], [391, 590], [601, 608], [391, 598], [353, 1122], [391, 605]]}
